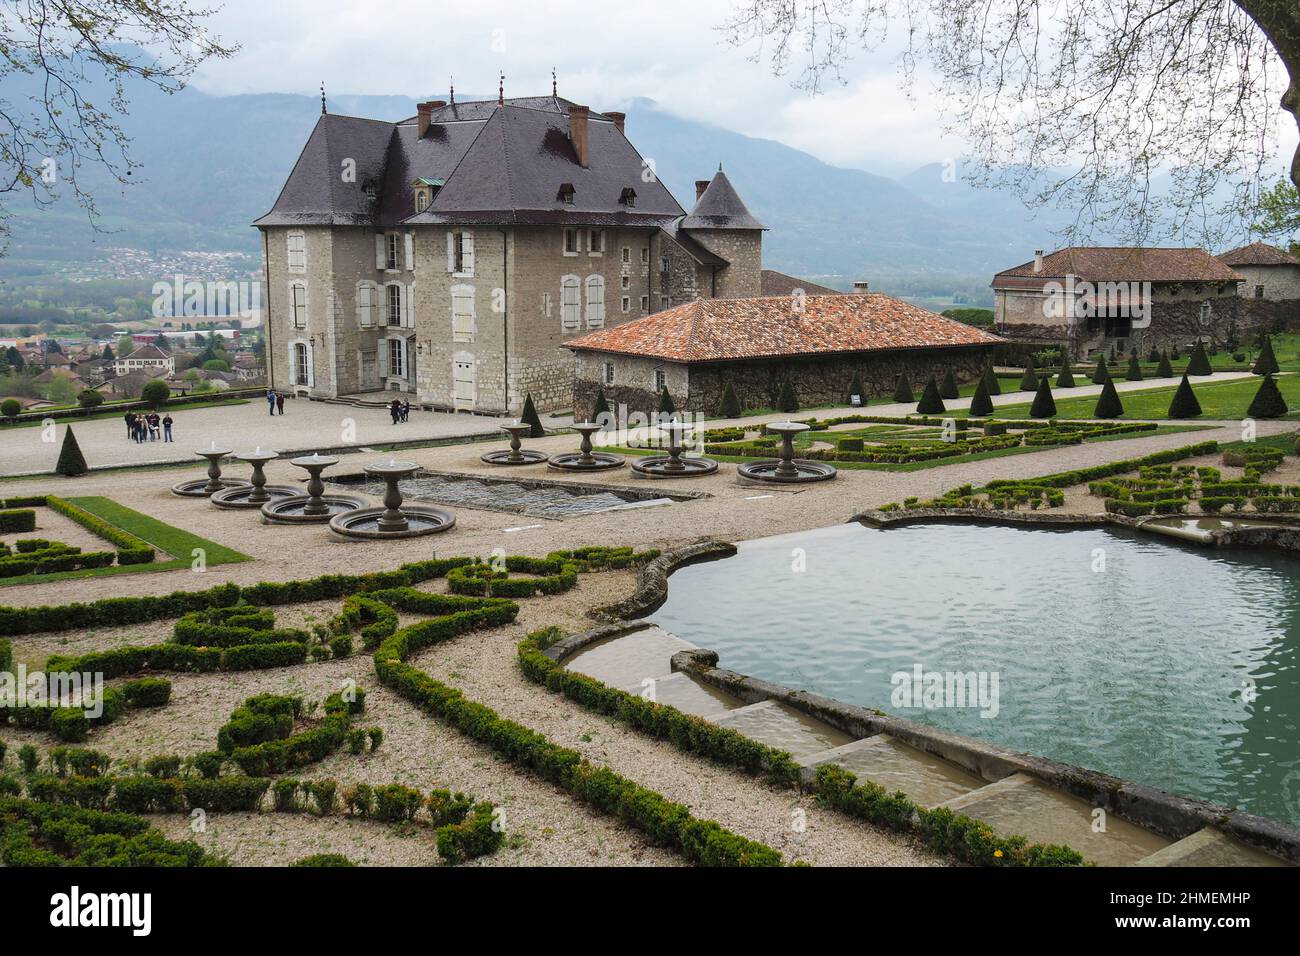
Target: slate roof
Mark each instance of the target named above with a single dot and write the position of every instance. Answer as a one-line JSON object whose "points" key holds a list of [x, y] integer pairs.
{"points": [[1259, 254], [778, 283], [500, 165], [719, 330], [1123, 264], [720, 207]]}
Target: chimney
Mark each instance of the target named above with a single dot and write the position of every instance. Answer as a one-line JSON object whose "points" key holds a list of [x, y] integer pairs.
{"points": [[423, 114], [619, 119], [861, 287], [1038, 260], [578, 116], [700, 186]]}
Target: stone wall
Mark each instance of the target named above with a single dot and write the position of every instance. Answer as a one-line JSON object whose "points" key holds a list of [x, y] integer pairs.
{"points": [[633, 385], [743, 249]]}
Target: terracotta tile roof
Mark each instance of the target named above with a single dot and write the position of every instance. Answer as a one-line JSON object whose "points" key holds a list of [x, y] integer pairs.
{"points": [[778, 283], [1125, 264], [1259, 254], [719, 330]]}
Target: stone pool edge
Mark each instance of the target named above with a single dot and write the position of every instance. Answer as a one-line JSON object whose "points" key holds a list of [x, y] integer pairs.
{"points": [[1166, 813]]}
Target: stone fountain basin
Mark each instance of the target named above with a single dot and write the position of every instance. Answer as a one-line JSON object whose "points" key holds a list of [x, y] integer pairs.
{"points": [[364, 522], [194, 487], [289, 510], [237, 497]]}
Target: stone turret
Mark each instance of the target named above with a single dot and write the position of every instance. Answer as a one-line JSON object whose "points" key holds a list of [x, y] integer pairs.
{"points": [[722, 224]]}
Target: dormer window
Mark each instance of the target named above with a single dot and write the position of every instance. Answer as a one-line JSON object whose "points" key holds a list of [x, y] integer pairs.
{"points": [[421, 200], [369, 189], [628, 197], [565, 195], [425, 190]]}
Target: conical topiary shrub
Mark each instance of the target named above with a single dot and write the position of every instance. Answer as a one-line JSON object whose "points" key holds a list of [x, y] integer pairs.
{"points": [[855, 388], [1165, 369], [1174, 355], [666, 406], [1268, 401], [1266, 364], [600, 406], [931, 401], [1108, 403], [1102, 375], [980, 403], [1199, 363], [788, 401], [71, 461], [529, 416], [1066, 378], [1184, 404], [1134, 369], [991, 383], [903, 390], [1044, 405], [949, 387], [1155, 355], [729, 407], [1029, 381]]}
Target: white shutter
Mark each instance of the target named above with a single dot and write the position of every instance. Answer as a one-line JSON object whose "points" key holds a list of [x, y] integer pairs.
{"points": [[451, 252], [311, 366], [293, 366], [383, 358], [410, 251], [402, 305], [467, 253], [408, 310], [381, 254]]}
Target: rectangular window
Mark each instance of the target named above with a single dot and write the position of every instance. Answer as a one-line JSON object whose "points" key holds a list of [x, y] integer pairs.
{"points": [[297, 252], [626, 282], [595, 242], [301, 368], [421, 200], [645, 303], [394, 245], [663, 265], [1259, 292], [298, 305], [394, 304], [626, 303], [609, 373], [397, 358], [627, 254], [571, 242], [1207, 310], [458, 252], [663, 302], [661, 380], [645, 255]]}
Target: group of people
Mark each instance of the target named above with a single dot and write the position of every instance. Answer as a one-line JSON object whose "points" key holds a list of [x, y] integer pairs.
{"points": [[400, 411], [274, 402], [149, 427]]}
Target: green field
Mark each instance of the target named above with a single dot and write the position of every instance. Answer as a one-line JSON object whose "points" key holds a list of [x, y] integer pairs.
{"points": [[180, 545]]}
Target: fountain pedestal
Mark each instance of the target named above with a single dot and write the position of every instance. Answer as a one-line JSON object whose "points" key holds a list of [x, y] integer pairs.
{"points": [[786, 469], [673, 465], [204, 488], [395, 519], [514, 455], [315, 505], [257, 492], [584, 459]]}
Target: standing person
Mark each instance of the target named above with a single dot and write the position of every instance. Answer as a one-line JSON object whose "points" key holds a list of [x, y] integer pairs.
{"points": [[167, 427], [279, 402], [270, 401], [395, 410], [130, 425], [406, 410], [139, 429], [154, 421]]}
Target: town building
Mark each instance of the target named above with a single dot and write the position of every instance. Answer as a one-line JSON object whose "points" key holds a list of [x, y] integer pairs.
{"points": [[145, 358], [818, 342], [1270, 286], [1091, 299], [448, 257]]}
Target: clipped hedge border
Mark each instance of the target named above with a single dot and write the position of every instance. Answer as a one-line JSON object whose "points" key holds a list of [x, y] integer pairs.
{"points": [[664, 823]]}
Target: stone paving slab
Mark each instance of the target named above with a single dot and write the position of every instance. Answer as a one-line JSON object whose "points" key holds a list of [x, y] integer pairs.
{"points": [[926, 779], [627, 660], [780, 726], [1210, 847]]}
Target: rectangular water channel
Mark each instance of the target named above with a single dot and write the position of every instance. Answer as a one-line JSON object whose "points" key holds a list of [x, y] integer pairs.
{"points": [[535, 497]]}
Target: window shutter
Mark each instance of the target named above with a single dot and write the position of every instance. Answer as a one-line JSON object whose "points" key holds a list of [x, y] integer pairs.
{"points": [[381, 254], [382, 356], [467, 253], [311, 366], [401, 305], [410, 251], [293, 366], [408, 308], [451, 252]]}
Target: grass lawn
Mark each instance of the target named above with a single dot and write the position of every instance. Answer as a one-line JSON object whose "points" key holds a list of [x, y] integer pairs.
{"points": [[171, 540], [1225, 401]]}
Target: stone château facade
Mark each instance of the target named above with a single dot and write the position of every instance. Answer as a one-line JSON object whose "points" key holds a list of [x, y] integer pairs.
{"points": [[449, 257]]}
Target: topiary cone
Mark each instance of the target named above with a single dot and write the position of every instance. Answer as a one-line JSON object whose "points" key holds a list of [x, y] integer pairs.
{"points": [[980, 404], [1134, 369], [788, 400], [903, 390], [71, 461], [1044, 405], [730, 405], [1165, 369], [949, 387], [1184, 404], [666, 406], [529, 416], [991, 383], [1108, 403], [1029, 381], [1266, 363], [1066, 378], [601, 406], [1268, 401], [855, 388], [931, 401], [1102, 375], [1199, 363]]}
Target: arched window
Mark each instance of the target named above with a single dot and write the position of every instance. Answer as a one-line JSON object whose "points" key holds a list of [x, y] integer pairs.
{"points": [[570, 303], [595, 302]]}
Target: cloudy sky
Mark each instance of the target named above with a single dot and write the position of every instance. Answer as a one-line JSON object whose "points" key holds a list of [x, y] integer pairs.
{"points": [[670, 51]]}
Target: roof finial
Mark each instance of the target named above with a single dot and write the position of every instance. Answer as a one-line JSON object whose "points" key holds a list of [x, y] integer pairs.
{"points": [[501, 91], [322, 97], [553, 92], [451, 82]]}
